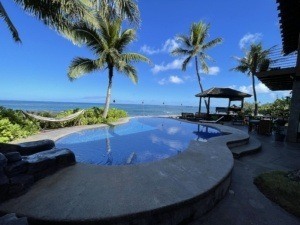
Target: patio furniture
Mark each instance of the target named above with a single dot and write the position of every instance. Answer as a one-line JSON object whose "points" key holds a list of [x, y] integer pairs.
{"points": [[265, 127], [253, 124], [187, 116], [212, 121], [238, 120]]}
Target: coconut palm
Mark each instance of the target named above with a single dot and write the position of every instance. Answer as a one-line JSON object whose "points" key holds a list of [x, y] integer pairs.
{"points": [[61, 14], [195, 46], [256, 59], [9, 24], [108, 43]]}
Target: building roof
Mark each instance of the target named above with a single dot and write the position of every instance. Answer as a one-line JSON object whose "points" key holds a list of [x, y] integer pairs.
{"points": [[278, 79], [224, 93], [289, 19]]}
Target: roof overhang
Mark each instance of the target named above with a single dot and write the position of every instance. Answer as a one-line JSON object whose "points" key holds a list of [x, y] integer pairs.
{"points": [[289, 19], [279, 79]]}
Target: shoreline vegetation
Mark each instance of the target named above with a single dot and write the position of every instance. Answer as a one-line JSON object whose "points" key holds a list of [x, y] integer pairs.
{"points": [[15, 125]]}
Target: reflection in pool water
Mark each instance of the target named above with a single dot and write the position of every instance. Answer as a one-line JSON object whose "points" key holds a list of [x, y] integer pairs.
{"points": [[140, 140]]}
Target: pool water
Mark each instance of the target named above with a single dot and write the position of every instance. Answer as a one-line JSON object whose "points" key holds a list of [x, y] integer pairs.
{"points": [[140, 140]]}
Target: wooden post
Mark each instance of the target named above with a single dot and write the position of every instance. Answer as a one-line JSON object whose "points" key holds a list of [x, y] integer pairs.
{"points": [[208, 107], [229, 103], [242, 104], [199, 110]]}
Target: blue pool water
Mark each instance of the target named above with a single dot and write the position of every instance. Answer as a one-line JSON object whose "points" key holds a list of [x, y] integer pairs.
{"points": [[140, 140]]}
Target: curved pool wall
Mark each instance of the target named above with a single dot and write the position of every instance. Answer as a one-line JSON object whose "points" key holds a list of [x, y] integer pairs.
{"points": [[147, 140], [175, 190]]}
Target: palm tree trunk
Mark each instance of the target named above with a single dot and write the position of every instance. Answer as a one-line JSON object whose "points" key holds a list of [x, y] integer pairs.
{"points": [[254, 95], [108, 94], [199, 80]]}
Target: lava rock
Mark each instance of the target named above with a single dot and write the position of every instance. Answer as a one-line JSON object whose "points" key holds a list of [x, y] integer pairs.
{"points": [[39, 162], [13, 157], [19, 184], [4, 185], [28, 148], [3, 161], [6, 148], [16, 168], [12, 219]]}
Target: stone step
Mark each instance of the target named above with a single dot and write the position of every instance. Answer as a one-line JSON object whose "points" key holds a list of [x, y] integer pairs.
{"points": [[253, 146]]}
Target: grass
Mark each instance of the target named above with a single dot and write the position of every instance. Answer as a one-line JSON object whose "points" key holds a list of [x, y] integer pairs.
{"points": [[280, 189]]}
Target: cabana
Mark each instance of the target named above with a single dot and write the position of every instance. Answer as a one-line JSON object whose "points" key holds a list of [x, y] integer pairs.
{"points": [[231, 94]]}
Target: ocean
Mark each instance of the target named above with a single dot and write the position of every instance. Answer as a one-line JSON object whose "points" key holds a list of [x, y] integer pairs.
{"points": [[131, 109]]}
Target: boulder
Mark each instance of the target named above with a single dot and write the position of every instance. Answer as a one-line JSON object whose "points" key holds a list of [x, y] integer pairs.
{"points": [[39, 162], [19, 184], [3, 160], [12, 219], [16, 168], [6, 148], [28, 148], [13, 157], [4, 185]]}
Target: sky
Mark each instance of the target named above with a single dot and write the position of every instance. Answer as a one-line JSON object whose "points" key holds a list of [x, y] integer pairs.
{"points": [[36, 70]]}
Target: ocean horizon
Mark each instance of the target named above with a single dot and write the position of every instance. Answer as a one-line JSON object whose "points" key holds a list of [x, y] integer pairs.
{"points": [[131, 109]]}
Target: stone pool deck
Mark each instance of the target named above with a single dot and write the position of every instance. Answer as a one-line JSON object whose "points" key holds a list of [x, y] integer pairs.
{"points": [[172, 191], [176, 190]]}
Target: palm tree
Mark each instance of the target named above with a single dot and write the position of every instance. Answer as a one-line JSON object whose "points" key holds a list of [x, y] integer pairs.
{"points": [[9, 24], [256, 59], [108, 43], [195, 46], [61, 14]]}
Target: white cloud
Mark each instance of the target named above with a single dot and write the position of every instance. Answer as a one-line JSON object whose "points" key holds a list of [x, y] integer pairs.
{"points": [[170, 45], [249, 39], [148, 50], [162, 81], [260, 89], [172, 79], [167, 47], [175, 64], [175, 80], [214, 70]]}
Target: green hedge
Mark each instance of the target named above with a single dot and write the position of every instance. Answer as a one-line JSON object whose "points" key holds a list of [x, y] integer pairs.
{"points": [[14, 124]]}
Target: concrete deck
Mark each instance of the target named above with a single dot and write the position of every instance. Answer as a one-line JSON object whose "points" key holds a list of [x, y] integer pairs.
{"points": [[245, 204], [171, 191]]}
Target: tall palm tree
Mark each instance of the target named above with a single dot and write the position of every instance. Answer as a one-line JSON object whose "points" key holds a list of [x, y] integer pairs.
{"points": [[256, 59], [195, 46], [108, 43], [10, 25]]}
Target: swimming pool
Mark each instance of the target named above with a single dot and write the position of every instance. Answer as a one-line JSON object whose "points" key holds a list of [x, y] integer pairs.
{"points": [[140, 140]]}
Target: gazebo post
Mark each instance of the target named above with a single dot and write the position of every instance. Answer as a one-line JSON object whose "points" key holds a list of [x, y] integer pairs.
{"points": [[229, 103], [242, 104], [208, 106], [199, 110]]}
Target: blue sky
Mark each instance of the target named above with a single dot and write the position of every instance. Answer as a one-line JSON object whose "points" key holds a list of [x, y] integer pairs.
{"points": [[36, 69]]}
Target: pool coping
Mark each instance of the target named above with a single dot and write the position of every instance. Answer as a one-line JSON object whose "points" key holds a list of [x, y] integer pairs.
{"points": [[169, 191]]}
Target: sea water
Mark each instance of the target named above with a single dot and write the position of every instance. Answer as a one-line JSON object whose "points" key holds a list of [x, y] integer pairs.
{"points": [[131, 109]]}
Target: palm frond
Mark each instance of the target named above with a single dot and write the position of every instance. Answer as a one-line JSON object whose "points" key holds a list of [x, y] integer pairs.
{"points": [[185, 40], [134, 57], [11, 27], [81, 66], [180, 52], [81, 33], [131, 72], [212, 43], [125, 38], [186, 62]]}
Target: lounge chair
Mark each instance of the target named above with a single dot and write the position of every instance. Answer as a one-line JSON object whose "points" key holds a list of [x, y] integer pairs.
{"points": [[265, 127], [187, 116], [212, 121]]}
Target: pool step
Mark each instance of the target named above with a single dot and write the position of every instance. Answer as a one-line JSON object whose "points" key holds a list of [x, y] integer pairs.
{"points": [[253, 146]]}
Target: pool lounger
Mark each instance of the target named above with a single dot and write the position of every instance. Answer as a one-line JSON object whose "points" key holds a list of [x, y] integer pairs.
{"points": [[212, 121]]}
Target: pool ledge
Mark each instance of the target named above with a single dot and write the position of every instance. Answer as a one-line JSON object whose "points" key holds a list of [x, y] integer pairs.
{"points": [[171, 191]]}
